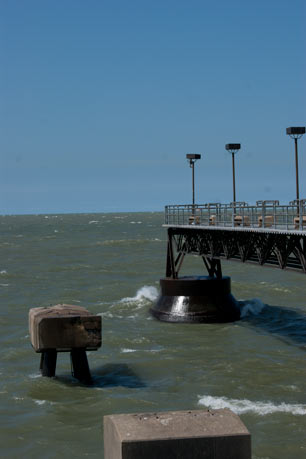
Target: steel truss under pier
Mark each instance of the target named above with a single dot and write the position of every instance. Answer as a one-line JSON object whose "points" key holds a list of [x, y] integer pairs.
{"points": [[284, 250]]}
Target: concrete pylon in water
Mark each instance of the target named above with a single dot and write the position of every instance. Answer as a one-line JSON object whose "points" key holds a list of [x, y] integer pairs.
{"points": [[196, 299]]}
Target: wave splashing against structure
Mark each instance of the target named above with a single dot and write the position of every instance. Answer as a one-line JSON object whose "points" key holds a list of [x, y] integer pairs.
{"points": [[144, 294], [252, 307]]}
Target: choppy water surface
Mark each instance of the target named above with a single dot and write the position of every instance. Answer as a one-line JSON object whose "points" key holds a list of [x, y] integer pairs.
{"points": [[111, 264]]}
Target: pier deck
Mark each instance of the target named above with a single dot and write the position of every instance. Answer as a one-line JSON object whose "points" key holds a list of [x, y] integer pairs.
{"points": [[265, 234]]}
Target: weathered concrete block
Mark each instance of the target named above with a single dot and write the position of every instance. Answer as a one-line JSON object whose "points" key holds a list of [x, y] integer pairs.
{"points": [[213, 434], [64, 327]]}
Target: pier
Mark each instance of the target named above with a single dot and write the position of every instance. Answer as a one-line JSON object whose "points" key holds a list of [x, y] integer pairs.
{"points": [[267, 233]]}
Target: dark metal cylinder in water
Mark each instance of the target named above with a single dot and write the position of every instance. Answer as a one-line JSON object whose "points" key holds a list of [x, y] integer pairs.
{"points": [[200, 299]]}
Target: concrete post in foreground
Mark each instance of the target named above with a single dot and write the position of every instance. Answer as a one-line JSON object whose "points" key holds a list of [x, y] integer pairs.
{"points": [[64, 328], [201, 434]]}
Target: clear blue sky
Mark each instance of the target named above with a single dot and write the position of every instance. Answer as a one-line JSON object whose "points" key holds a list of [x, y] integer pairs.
{"points": [[101, 100]]}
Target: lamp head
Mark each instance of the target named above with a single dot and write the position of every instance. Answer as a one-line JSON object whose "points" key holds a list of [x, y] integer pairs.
{"points": [[193, 156], [232, 147], [295, 132]]}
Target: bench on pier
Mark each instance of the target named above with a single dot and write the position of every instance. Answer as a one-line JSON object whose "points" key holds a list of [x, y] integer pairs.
{"points": [[297, 222], [268, 221], [240, 220], [194, 220], [64, 328]]}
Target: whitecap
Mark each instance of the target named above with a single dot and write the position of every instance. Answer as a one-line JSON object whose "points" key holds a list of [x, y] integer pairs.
{"points": [[106, 314], [4, 285], [126, 351], [247, 406], [285, 290], [252, 307], [93, 221], [4, 271], [40, 402], [147, 292], [34, 376]]}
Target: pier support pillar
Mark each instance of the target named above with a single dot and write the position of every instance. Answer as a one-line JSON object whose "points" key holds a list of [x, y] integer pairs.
{"points": [[201, 299], [80, 365], [213, 434], [48, 362], [64, 328]]}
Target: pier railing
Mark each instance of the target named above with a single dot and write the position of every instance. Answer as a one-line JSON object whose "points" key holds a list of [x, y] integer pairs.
{"points": [[265, 214]]}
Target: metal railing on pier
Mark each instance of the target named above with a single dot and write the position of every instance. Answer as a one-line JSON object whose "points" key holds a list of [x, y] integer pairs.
{"points": [[265, 214]]}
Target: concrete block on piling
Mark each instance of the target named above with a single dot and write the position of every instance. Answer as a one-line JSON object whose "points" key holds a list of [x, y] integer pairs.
{"points": [[201, 434], [64, 327]]}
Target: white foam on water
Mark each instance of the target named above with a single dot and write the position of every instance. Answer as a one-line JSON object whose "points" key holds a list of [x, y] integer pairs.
{"points": [[247, 406], [40, 402], [126, 351], [4, 271], [285, 290], [4, 285], [34, 376], [147, 292], [93, 221], [252, 307], [106, 314]]}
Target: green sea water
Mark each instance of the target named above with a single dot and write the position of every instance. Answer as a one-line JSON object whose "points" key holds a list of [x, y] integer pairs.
{"points": [[111, 264]]}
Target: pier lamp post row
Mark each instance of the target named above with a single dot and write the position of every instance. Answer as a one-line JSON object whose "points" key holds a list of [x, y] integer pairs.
{"points": [[233, 149], [192, 158], [296, 133]]}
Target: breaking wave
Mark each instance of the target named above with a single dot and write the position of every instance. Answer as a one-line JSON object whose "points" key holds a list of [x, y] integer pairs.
{"points": [[252, 307], [247, 406], [145, 293]]}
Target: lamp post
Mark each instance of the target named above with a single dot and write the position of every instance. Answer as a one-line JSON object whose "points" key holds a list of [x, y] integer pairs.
{"points": [[233, 148], [192, 158], [296, 133]]}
